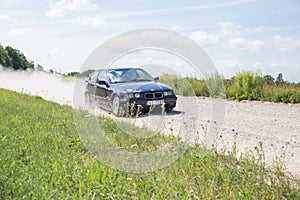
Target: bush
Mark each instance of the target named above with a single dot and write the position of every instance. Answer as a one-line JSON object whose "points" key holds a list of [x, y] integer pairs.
{"points": [[181, 86], [199, 86], [216, 86], [285, 94], [248, 85], [213, 86]]}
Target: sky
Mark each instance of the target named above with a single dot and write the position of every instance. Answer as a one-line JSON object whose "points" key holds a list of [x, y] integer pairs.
{"points": [[238, 35]]}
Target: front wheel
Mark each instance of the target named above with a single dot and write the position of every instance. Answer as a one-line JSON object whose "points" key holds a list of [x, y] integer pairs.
{"points": [[116, 109]]}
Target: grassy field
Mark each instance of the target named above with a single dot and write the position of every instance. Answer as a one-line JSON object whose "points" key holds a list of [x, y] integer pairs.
{"points": [[42, 157]]}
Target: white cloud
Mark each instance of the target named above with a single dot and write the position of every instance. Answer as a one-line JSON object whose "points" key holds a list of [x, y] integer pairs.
{"points": [[55, 53], [204, 38], [184, 9], [90, 20], [16, 32], [62, 7], [286, 43], [232, 29], [245, 44], [258, 65], [261, 29], [229, 28], [284, 65], [227, 63], [228, 66], [4, 17]]}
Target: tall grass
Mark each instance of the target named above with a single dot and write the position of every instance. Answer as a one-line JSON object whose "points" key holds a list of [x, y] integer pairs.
{"points": [[185, 86], [247, 85], [243, 86], [42, 157], [286, 94]]}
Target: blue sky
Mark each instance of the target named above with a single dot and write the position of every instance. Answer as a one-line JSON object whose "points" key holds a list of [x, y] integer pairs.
{"points": [[238, 35]]}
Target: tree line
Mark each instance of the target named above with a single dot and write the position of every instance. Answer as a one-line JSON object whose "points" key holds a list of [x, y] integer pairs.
{"points": [[13, 58]]}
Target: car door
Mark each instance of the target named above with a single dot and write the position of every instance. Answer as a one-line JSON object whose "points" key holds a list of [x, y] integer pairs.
{"points": [[92, 85], [101, 88]]}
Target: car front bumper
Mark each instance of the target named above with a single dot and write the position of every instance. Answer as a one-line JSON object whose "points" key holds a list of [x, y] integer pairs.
{"points": [[168, 103]]}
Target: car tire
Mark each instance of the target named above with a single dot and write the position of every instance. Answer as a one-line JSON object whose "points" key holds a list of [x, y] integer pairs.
{"points": [[115, 106]]}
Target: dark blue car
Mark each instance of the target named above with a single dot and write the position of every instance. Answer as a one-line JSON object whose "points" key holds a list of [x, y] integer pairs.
{"points": [[128, 91]]}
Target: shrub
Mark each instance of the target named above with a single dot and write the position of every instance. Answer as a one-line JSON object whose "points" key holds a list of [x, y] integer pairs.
{"points": [[181, 86], [199, 86], [216, 86], [248, 85]]}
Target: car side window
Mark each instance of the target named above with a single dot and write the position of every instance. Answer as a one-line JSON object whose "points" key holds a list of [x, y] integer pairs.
{"points": [[102, 75], [94, 77]]}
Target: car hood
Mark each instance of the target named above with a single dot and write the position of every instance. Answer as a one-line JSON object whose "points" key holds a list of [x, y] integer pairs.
{"points": [[141, 87]]}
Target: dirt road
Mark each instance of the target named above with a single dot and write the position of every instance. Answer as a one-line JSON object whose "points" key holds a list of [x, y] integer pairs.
{"points": [[276, 125]]}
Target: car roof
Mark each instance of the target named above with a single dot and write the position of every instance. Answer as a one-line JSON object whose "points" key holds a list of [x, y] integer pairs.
{"points": [[117, 68], [122, 68]]}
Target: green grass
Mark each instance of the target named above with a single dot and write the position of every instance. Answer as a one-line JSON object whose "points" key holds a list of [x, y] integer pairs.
{"points": [[42, 157], [244, 86]]}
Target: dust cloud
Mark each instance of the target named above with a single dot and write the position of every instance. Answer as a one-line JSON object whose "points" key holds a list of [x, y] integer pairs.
{"points": [[52, 87]]}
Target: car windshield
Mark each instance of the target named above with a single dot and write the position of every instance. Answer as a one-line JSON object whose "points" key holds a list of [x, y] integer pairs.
{"points": [[128, 75]]}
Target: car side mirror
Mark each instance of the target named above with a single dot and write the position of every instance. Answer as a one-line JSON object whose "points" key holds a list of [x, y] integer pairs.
{"points": [[101, 82], [156, 79]]}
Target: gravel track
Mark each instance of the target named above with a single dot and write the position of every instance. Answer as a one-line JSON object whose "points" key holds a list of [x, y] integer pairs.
{"points": [[276, 125]]}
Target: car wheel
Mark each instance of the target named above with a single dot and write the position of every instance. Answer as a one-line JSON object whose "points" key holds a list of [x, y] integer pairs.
{"points": [[115, 106]]}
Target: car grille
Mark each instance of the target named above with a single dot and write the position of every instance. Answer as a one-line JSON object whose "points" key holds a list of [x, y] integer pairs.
{"points": [[155, 95]]}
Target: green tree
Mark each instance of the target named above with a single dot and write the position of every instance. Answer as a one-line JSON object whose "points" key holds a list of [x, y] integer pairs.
{"points": [[74, 74], [5, 60], [279, 79], [269, 79], [19, 61]]}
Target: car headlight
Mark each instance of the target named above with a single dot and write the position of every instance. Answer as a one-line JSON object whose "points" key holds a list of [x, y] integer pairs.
{"points": [[168, 93], [131, 95]]}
